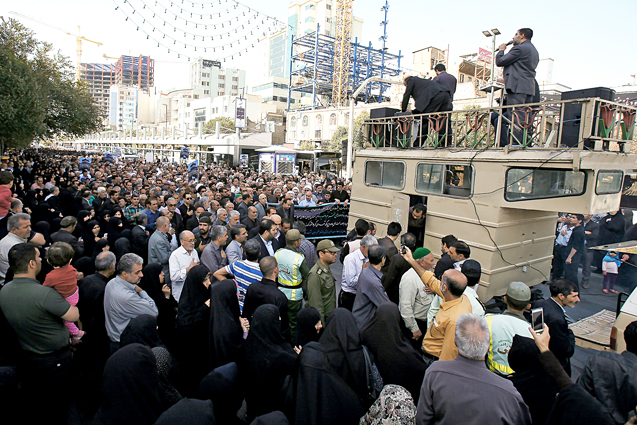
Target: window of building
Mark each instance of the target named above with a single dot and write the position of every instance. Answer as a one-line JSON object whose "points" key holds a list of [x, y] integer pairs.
{"points": [[293, 122], [347, 118], [328, 7], [225, 109], [222, 86], [332, 119], [222, 77], [235, 88], [317, 133], [328, 20], [609, 182], [462, 78], [319, 120], [293, 134], [444, 179], [306, 121], [235, 78], [221, 93], [205, 74], [205, 83], [206, 92], [385, 174], [196, 96], [523, 184]]}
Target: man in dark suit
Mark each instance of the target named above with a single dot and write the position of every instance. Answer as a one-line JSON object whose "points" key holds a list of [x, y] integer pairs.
{"points": [[242, 206], [519, 75], [286, 210], [563, 294], [444, 79], [429, 97], [67, 227], [267, 228], [591, 232], [140, 236]]}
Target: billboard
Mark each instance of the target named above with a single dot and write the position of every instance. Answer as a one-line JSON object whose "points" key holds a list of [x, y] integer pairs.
{"points": [[484, 54]]}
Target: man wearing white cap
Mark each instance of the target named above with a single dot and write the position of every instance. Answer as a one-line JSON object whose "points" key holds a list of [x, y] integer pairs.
{"points": [[503, 327]]}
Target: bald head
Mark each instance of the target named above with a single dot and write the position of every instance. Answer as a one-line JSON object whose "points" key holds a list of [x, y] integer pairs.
{"points": [[162, 224], [276, 218], [456, 283]]}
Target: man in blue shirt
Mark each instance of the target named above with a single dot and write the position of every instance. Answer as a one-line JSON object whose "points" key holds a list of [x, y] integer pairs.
{"points": [[307, 202], [152, 212]]}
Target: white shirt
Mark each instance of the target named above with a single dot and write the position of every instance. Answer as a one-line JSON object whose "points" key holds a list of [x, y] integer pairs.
{"points": [[268, 246], [458, 264], [352, 267], [476, 307], [414, 301], [179, 261]]}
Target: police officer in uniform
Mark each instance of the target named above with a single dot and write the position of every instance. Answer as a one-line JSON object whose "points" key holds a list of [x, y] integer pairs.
{"points": [[293, 271], [321, 290]]}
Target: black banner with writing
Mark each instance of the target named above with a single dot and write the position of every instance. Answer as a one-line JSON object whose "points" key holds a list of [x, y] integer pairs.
{"points": [[323, 221]]}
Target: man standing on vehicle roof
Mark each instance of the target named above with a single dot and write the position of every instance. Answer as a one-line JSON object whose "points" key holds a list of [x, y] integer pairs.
{"points": [[519, 75]]}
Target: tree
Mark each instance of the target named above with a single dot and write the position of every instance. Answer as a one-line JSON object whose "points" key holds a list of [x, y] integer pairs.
{"points": [[39, 97], [339, 139], [307, 145], [226, 126]]}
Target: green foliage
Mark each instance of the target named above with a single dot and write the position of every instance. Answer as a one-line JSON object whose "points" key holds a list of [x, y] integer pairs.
{"points": [[39, 97], [307, 145], [226, 126], [338, 143]]}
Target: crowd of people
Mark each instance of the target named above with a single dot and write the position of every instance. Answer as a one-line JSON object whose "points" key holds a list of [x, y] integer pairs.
{"points": [[143, 293]]}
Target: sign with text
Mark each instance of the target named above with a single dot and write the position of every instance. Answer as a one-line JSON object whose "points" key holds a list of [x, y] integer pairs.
{"points": [[240, 119], [323, 221], [484, 54], [205, 63]]}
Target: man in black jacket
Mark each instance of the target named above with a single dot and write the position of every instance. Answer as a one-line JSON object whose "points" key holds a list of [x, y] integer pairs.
{"points": [[445, 263], [563, 294], [140, 236], [428, 96], [612, 377], [445, 79], [398, 266], [67, 227], [591, 232], [267, 229]]}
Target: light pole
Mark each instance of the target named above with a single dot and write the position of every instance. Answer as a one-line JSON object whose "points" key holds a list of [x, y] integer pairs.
{"points": [[166, 116], [493, 33]]}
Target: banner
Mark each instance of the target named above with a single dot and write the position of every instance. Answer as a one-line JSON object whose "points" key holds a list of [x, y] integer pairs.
{"points": [[324, 221], [240, 120], [484, 54], [193, 166], [185, 153], [109, 157], [85, 163]]}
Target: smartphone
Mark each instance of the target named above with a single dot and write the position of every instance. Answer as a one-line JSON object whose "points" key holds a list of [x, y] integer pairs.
{"points": [[537, 319], [402, 249]]}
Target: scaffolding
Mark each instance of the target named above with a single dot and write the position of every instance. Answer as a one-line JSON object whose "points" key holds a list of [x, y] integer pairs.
{"points": [[342, 44], [312, 69], [135, 71]]}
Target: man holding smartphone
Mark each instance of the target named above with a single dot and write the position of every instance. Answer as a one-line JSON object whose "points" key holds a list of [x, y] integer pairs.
{"points": [[564, 293]]}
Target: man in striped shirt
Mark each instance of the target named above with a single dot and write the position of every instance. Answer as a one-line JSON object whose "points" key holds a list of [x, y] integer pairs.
{"points": [[245, 272]]}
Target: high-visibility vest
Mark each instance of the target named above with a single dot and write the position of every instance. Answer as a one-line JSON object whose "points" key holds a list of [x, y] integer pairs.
{"points": [[290, 279], [502, 329]]}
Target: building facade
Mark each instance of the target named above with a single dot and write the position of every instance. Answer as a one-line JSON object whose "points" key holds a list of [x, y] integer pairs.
{"points": [[208, 79], [130, 107]]}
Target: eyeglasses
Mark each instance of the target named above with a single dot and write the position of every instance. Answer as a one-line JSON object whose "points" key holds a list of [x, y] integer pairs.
{"points": [[188, 197]]}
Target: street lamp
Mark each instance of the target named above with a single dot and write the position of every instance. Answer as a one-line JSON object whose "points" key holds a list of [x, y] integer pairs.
{"points": [[166, 116], [493, 33]]}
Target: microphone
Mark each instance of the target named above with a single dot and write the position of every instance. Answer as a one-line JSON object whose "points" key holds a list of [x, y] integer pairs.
{"points": [[510, 42]]}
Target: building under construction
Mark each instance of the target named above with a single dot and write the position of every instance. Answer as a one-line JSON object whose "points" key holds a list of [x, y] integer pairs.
{"points": [[313, 70], [132, 71]]}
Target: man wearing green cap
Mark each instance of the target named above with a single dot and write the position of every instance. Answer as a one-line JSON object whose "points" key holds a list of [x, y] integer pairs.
{"points": [[414, 299], [321, 290], [503, 327], [293, 271]]}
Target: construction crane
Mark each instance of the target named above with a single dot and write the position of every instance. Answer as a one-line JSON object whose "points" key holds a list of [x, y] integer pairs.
{"points": [[342, 42], [77, 36]]}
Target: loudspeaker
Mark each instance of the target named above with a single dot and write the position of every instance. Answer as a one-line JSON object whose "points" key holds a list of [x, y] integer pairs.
{"points": [[385, 136], [382, 112], [573, 113]]}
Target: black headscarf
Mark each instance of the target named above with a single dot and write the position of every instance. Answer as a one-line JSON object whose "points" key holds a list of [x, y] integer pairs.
{"points": [[125, 223], [269, 359], [85, 265], [272, 418], [141, 330], [122, 245], [222, 386], [114, 230], [150, 281], [30, 200], [99, 246], [306, 322], [130, 386], [164, 369], [193, 298], [81, 224], [88, 237], [226, 334], [44, 228], [342, 342], [397, 360], [188, 412], [319, 395], [193, 322]]}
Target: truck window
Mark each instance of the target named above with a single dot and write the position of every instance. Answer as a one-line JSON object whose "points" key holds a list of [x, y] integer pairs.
{"points": [[523, 184], [385, 174], [444, 179], [608, 182]]}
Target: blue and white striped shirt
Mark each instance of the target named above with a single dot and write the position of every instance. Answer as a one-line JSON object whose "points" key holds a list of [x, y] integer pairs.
{"points": [[245, 273]]}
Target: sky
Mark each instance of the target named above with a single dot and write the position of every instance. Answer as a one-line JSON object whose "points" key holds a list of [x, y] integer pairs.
{"points": [[587, 52]]}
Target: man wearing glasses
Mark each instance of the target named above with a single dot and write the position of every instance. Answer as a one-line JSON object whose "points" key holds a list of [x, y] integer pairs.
{"points": [[181, 261], [186, 208]]}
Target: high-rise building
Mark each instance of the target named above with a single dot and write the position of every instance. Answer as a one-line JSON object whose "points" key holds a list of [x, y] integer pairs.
{"points": [[130, 107], [208, 79], [303, 16], [133, 71], [99, 77]]}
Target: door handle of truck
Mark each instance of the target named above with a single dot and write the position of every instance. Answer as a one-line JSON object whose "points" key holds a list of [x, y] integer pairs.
{"points": [[620, 302]]}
